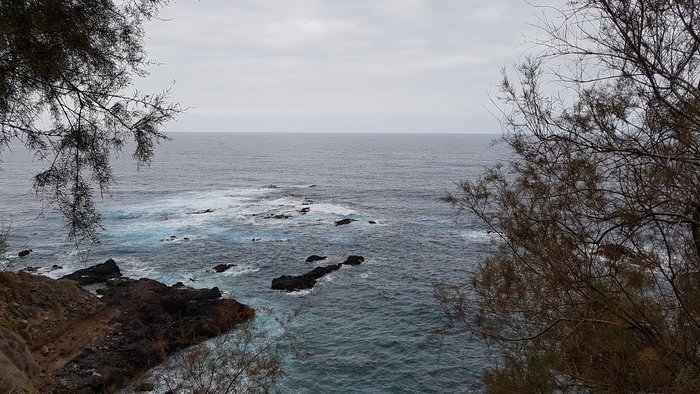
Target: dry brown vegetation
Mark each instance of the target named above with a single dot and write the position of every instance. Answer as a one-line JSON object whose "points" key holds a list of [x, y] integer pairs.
{"points": [[594, 284]]}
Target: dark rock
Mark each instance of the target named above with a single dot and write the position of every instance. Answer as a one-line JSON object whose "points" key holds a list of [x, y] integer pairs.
{"points": [[30, 269], [223, 267], [277, 216], [24, 253], [56, 267], [256, 239], [201, 212], [344, 221], [293, 283], [354, 260], [302, 282], [305, 210], [99, 273], [314, 257], [154, 321], [178, 285], [372, 222]]}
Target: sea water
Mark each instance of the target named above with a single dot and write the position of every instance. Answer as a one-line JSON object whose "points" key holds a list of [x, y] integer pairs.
{"points": [[211, 198]]}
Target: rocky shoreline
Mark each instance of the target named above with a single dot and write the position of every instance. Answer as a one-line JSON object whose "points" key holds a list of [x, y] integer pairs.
{"points": [[57, 337]]}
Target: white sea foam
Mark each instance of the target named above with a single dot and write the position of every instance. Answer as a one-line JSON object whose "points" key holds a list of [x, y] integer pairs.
{"points": [[299, 293], [332, 209], [480, 235], [239, 270]]}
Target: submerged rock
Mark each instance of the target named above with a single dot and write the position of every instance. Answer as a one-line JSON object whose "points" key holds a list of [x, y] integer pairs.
{"points": [[223, 267], [344, 221], [201, 212], [372, 222], [354, 260], [314, 257], [99, 273], [278, 216]]}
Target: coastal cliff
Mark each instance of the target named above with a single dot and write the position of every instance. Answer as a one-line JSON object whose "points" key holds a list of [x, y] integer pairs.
{"points": [[58, 337]]}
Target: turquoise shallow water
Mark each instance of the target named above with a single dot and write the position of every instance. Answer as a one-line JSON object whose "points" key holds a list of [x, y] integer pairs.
{"points": [[365, 328]]}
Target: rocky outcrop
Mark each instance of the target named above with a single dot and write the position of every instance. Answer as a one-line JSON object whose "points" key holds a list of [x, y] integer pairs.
{"points": [[99, 273], [154, 320], [83, 344], [314, 258], [303, 282], [308, 280], [24, 253]]}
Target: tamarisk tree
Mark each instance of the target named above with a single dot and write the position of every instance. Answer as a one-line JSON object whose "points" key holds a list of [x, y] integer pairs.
{"points": [[66, 70], [594, 284]]}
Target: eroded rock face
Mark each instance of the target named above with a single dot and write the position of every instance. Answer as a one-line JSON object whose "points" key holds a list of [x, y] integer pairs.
{"points": [[99, 273]]}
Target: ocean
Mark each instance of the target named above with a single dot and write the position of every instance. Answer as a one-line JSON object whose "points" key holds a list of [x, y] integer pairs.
{"points": [[211, 198]]}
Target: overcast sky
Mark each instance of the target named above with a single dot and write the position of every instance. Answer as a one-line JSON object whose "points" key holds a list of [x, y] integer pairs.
{"points": [[336, 65]]}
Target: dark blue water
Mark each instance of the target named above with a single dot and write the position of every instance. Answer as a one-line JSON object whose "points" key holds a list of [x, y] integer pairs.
{"points": [[365, 328]]}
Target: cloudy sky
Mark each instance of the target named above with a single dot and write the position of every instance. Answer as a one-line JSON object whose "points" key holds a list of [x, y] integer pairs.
{"points": [[337, 65]]}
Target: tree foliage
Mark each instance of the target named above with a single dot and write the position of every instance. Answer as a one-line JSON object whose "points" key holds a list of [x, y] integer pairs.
{"points": [[66, 68], [594, 283]]}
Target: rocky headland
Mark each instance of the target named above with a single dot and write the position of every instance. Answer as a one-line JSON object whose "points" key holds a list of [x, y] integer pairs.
{"points": [[56, 337]]}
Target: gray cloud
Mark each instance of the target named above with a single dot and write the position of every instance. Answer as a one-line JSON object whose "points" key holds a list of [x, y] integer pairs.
{"points": [[336, 65]]}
